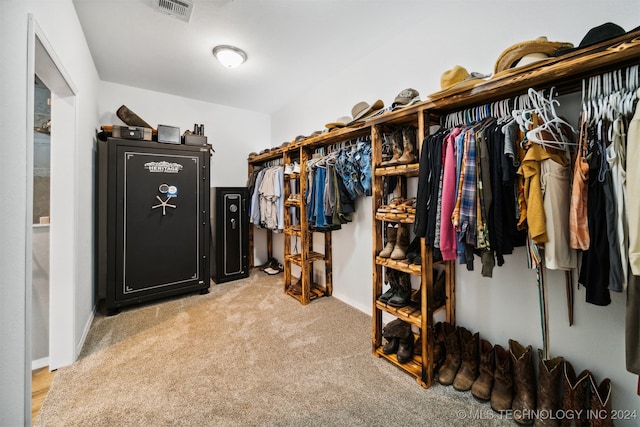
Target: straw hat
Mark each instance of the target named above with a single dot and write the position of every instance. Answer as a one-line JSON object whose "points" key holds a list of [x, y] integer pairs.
{"points": [[457, 79]]}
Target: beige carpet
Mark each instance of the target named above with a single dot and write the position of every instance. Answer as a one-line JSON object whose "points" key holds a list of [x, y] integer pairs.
{"points": [[245, 355]]}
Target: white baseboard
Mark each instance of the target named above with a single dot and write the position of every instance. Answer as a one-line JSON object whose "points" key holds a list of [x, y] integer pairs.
{"points": [[40, 363], [85, 332]]}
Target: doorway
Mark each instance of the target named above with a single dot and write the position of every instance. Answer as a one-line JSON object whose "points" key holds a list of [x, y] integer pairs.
{"points": [[45, 71], [41, 222]]}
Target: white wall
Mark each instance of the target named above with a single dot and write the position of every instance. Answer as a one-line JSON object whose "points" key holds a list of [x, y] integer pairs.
{"points": [[233, 132], [59, 23], [471, 34]]}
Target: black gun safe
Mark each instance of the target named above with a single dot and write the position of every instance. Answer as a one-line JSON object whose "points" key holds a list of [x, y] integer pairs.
{"points": [[153, 225], [229, 234]]}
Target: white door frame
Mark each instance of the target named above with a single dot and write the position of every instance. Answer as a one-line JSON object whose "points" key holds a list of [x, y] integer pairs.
{"points": [[43, 61]]}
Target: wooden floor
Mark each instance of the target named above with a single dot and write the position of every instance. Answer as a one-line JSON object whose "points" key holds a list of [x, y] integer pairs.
{"points": [[41, 380]]}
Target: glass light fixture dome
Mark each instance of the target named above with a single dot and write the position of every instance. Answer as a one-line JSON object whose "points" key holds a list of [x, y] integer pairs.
{"points": [[229, 56]]}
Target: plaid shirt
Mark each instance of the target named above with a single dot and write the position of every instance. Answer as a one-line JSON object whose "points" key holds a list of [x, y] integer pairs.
{"points": [[469, 190]]}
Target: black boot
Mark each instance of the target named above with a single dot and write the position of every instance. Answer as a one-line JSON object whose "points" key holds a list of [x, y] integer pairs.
{"points": [[392, 279], [402, 296]]}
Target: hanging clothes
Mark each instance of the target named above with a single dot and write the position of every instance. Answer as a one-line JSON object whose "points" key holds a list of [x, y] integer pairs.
{"points": [[267, 204], [632, 318]]}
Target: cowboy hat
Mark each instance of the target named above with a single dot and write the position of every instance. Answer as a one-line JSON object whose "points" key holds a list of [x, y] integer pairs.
{"points": [[362, 109], [457, 79], [340, 122], [511, 55]]}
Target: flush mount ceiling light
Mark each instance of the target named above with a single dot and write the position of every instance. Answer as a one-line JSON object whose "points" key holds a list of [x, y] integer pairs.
{"points": [[229, 56]]}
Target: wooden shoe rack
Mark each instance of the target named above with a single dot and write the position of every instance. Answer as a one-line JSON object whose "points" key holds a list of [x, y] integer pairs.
{"points": [[420, 310]]}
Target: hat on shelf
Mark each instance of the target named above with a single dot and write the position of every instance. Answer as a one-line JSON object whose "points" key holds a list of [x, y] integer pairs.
{"points": [[406, 98], [284, 144], [598, 34], [457, 79], [300, 138], [340, 122], [363, 110], [316, 133], [534, 50]]}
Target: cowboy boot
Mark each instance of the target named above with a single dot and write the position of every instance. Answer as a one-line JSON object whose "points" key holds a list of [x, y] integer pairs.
{"points": [[453, 358], [392, 279], [392, 233], [549, 378], [524, 400], [502, 391], [482, 386], [393, 332], [396, 145], [438, 346], [408, 146], [387, 148], [468, 371], [575, 396], [414, 249], [402, 243], [600, 412], [439, 288], [402, 296]]}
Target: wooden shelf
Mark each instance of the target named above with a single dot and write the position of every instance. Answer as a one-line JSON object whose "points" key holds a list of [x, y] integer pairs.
{"points": [[292, 203], [315, 292], [405, 218], [401, 265], [294, 230], [410, 170], [413, 366], [297, 258]]}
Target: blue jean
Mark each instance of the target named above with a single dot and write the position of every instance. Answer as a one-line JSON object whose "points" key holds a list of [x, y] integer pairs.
{"points": [[315, 213], [348, 169], [363, 158]]}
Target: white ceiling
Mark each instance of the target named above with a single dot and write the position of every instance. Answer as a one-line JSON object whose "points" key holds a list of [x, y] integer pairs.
{"points": [[291, 45]]}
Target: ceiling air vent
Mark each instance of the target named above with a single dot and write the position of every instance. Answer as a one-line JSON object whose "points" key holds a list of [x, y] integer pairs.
{"points": [[181, 9]]}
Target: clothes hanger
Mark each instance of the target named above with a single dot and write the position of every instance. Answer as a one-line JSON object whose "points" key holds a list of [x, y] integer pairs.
{"points": [[553, 131]]}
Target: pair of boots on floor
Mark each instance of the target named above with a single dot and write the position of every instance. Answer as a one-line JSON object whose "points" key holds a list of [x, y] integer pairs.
{"points": [[401, 145], [506, 379]]}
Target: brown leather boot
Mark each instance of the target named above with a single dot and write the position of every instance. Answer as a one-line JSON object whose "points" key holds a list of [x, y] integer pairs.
{"points": [[396, 144], [575, 397], [394, 332], [502, 391], [549, 378], [468, 371], [600, 411], [392, 233], [408, 146], [524, 399], [482, 386], [402, 243], [405, 348], [453, 358], [439, 288], [439, 351]]}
